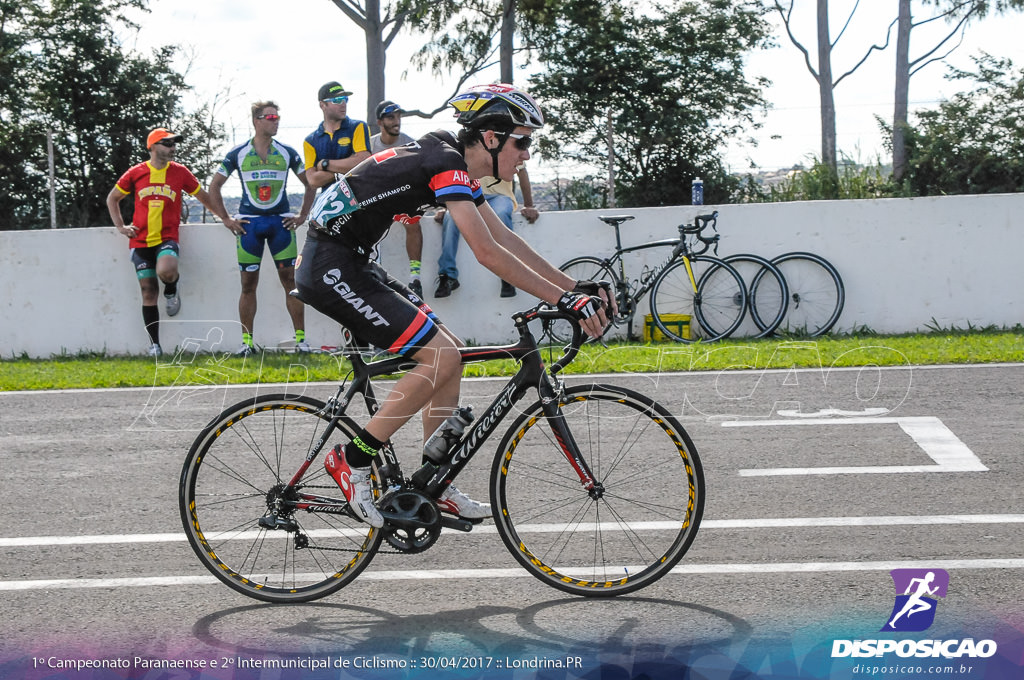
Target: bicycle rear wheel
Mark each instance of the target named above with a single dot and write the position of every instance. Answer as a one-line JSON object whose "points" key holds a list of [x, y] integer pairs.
{"points": [[767, 294], [580, 269], [816, 293], [237, 473], [718, 304], [598, 545]]}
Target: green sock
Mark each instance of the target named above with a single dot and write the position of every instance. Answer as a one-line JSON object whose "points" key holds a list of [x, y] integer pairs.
{"points": [[247, 339], [361, 450], [414, 268], [300, 336]]}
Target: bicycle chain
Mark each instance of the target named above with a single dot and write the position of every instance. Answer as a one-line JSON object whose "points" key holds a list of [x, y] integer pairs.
{"points": [[311, 546]]}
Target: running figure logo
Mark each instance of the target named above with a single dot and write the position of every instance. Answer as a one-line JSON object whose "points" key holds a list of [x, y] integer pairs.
{"points": [[916, 601]]}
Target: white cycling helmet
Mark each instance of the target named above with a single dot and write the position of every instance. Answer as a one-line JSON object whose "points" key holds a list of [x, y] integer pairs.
{"points": [[497, 105]]}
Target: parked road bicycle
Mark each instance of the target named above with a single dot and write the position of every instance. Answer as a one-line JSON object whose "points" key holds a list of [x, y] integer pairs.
{"points": [[693, 296], [596, 490], [816, 294], [797, 293]]}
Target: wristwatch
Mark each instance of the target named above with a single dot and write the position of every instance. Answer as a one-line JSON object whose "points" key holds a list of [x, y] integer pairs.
{"points": [[323, 164]]}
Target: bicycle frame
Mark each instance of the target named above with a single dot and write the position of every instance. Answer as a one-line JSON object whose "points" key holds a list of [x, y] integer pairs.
{"points": [[532, 374], [631, 291]]}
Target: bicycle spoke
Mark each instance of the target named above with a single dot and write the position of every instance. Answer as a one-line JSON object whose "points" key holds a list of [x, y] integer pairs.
{"points": [[601, 542], [240, 514]]}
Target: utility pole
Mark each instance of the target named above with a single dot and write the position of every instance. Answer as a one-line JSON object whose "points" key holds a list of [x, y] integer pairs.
{"points": [[53, 188], [611, 163]]}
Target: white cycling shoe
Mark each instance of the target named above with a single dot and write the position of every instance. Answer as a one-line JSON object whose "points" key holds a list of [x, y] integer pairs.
{"points": [[455, 502]]}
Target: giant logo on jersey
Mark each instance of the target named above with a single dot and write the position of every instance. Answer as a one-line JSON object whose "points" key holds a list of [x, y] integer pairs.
{"points": [[333, 279]]}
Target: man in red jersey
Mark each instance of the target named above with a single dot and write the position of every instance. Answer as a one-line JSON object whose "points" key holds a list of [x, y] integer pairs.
{"points": [[153, 234]]}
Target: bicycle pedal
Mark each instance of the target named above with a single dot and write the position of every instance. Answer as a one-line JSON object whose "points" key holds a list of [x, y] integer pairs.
{"points": [[458, 523]]}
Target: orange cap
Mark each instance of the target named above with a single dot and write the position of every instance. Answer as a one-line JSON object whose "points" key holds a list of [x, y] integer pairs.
{"points": [[161, 134]]}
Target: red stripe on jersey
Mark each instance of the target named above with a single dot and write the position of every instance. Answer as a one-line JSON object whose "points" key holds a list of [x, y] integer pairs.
{"points": [[450, 178]]}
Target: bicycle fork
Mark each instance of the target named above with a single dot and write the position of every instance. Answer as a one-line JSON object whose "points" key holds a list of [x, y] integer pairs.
{"points": [[551, 404]]}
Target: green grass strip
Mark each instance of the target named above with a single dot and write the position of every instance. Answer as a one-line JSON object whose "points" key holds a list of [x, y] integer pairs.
{"points": [[940, 347]]}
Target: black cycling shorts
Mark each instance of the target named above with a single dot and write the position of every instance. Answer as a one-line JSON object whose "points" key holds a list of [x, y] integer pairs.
{"points": [[360, 295], [144, 259]]}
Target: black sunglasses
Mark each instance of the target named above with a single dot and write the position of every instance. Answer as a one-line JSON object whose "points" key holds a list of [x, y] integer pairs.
{"points": [[522, 142], [164, 142]]}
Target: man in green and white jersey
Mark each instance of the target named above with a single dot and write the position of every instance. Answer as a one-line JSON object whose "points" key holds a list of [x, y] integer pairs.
{"points": [[264, 217]]}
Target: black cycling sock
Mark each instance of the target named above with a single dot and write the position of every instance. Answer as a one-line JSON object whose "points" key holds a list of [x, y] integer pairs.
{"points": [[151, 317], [361, 450], [171, 288]]}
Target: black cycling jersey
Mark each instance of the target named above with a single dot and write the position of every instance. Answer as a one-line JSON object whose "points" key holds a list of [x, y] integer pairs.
{"points": [[394, 185], [335, 275]]}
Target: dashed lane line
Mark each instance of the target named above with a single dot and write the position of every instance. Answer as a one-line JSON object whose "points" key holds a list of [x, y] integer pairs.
{"points": [[759, 523], [433, 575]]}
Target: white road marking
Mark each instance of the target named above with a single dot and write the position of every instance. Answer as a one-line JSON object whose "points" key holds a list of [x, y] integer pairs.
{"points": [[433, 575], [931, 434], [758, 523]]}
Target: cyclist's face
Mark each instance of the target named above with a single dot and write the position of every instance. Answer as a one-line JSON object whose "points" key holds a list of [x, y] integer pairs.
{"points": [[334, 110], [512, 156], [267, 120], [391, 123], [163, 151]]}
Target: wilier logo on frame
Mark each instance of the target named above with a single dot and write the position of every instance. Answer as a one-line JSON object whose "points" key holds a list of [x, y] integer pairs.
{"points": [[917, 591]]}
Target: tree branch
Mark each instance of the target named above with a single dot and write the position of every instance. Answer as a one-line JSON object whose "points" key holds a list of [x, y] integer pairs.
{"points": [[888, 35], [847, 24], [785, 21], [961, 27], [914, 64], [353, 11]]}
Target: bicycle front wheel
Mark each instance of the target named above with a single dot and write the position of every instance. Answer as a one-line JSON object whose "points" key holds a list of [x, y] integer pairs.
{"points": [[816, 293], [252, 529], [618, 540], [715, 297]]}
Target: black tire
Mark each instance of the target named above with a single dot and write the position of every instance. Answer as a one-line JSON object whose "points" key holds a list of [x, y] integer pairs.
{"points": [[632, 534], [816, 294], [718, 306], [767, 295], [226, 485], [581, 269]]}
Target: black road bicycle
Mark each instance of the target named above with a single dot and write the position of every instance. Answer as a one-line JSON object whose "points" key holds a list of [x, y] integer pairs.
{"points": [[693, 296], [596, 490]]}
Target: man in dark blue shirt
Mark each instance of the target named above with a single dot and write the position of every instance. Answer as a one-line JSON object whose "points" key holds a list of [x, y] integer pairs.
{"points": [[339, 143]]}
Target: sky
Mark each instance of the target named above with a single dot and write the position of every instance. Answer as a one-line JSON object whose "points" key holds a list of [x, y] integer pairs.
{"points": [[284, 51]]}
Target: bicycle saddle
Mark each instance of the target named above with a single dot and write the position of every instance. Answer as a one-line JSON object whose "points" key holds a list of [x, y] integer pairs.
{"points": [[615, 220]]}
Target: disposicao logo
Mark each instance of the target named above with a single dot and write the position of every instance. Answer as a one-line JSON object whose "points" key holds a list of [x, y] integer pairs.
{"points": [[917, 591], [914, 610]]}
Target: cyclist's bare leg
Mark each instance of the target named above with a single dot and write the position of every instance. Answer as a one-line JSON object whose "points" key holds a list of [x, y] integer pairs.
{"points": [[150, 291], [434, 381], [167, 268], [247, 300], [446, 399], [296, 309]]}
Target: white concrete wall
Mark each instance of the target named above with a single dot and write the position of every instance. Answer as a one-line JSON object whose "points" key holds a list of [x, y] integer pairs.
{"points": [[907, 263]]}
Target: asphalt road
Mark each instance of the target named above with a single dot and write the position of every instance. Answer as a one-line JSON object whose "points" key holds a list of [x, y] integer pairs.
{"points": [[819, 483]]}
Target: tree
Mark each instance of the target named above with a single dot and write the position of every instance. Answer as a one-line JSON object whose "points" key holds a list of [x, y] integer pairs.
{"points": [[380, 23], [470, 36], [974, 142], [956, 12], [822, 73], [673, 80], [98, 100], [22, 166]]}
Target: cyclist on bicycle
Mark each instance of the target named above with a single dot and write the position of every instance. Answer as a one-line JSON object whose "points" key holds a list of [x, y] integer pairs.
{"points": [[337, 276]]}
